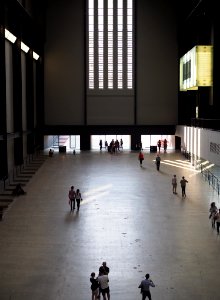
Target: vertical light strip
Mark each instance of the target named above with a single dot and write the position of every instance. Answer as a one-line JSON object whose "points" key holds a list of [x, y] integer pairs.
{"points": [[110, 44], [199, 143], [195, 142], [191, 142], [187, 138], [91, 44], [101, 43], [184, 138], [130, 44], [120, 43]]}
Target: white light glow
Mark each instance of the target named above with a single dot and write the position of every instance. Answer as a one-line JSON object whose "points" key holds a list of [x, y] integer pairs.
{"points": [[24, 47], [35, 55], [9, 36], [196, 68]]}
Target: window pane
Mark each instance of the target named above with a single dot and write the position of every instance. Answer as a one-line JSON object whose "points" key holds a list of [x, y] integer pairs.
{"points": [[100, 4], [110, 3], [91, 3], [129, 4]]}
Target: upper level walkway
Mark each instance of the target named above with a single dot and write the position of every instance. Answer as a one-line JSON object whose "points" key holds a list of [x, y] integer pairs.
{"points": [[129, 217]]}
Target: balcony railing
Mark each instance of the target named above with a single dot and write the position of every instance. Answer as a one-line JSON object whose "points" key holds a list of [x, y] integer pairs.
{"points": [[211, 178]]}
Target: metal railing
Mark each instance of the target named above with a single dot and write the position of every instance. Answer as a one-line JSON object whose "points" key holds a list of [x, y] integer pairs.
{"points": [[211, 178]]}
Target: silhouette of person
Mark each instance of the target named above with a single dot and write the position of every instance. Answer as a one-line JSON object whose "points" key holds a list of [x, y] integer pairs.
{"points": [[158, 160], [183, 182], [72, 197], [78, 198], [141, 157], [145, 287]]}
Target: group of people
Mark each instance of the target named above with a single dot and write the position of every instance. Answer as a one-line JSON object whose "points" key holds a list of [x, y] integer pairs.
{"points": [[183, 183], [113, 146], [100, 284], [214, 216], [75, 197]]}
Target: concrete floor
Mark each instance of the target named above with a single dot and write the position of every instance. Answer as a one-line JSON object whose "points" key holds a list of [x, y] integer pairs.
{"points": [[129, 217]]}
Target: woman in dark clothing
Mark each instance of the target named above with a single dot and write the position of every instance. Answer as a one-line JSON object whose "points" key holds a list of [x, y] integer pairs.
{"points": [[78, 198], [94, 286]]}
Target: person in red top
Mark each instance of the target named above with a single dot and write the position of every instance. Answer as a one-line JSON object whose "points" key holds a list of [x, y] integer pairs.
{"points": [[141, 157]]}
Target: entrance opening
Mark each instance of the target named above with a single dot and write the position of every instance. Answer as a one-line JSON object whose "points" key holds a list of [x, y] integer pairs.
{"points": [[151, 140], [95, 140], [71, 142]]}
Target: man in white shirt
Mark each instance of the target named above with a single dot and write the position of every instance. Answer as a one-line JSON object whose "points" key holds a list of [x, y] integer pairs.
{"points": [[104, 283]]}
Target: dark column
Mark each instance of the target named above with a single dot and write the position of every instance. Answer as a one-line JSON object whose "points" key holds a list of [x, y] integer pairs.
{"points": [[17, 103], [135, 139], [85, 143], [30, 103], [3, 126], [39, 139]]}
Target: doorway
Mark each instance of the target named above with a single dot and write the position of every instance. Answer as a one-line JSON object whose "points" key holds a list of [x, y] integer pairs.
{"points": [[95, 140]]}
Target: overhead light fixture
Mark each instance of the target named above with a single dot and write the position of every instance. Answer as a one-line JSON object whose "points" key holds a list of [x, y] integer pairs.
{"points": [[24, 47], [35, 55], [9, 36]]}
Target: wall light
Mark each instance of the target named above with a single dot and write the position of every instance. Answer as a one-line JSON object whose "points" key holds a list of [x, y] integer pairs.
{"points": [[35, 55], [9, 36], [24, 47]]}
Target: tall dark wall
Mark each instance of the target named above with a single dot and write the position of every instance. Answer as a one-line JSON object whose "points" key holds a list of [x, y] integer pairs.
{"points": [[156, 69], [199, 25]]}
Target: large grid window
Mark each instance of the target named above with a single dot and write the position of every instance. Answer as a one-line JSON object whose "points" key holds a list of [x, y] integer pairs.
{"points": [[110, 44], [91, 43]]}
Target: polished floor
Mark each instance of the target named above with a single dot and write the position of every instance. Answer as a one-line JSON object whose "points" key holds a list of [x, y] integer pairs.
{"points": [[129, 218]]}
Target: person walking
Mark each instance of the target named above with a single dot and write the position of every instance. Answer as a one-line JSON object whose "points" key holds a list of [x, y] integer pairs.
{"points": [[165, 145], [158, 160], [104, 283], [141, 157], [213, 213], [100, 144], [94, 286], [145, 287], [72, 197], [121, 143], [217, 220], [78, 198], [183, 182], [159, 145], [174, 184]]}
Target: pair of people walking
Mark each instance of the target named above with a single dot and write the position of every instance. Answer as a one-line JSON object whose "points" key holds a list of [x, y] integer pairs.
{"points": [[183, 182], [75, 197]]}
